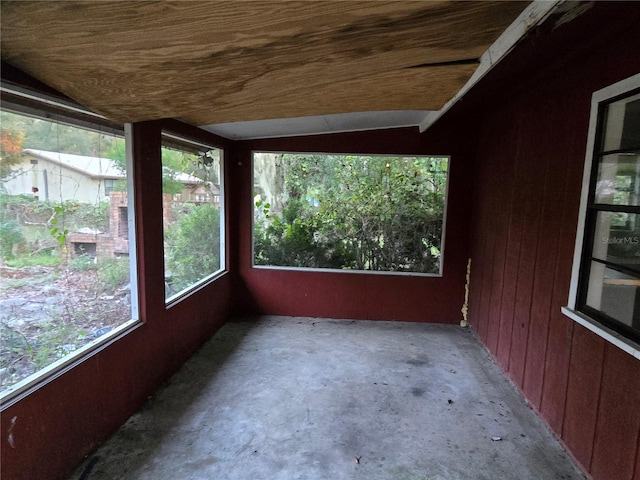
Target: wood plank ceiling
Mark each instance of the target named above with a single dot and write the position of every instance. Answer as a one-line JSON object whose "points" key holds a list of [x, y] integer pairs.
{"points": [[212, 62]]}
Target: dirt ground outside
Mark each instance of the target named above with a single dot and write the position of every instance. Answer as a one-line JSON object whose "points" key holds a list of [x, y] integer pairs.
{"points": [[48, 312]]}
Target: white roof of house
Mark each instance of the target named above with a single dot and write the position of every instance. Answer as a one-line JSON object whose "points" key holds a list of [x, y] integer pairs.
{"points": [[187, 179], [95, 167]]}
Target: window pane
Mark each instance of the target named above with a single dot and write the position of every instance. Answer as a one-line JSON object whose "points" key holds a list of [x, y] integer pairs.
{"points": [[617, 238], [622, 124], [615, 294], [65, 273], [191, 215], [349, 212], [619, 180]]}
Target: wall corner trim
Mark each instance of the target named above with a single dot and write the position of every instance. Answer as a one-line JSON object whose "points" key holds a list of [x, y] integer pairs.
{"points": [[533, 15]]}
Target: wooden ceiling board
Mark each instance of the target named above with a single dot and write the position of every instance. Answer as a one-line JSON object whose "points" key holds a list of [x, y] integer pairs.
{"points": [[223, 61], [414, 89]]}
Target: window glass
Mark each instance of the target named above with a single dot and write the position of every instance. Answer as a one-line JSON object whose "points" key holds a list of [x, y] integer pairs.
{"points": [[64, 260], [192, 215], [349, 212], [622, 124], [617, 238], [618, 181], [614, 293], [609, 288]]}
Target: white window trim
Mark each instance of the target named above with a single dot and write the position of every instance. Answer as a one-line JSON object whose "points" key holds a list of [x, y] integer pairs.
{"points": [[622, 342], [443, 237], [222, 271], [26, 386]]}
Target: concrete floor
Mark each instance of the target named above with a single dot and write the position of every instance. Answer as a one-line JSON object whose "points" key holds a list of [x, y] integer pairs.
{"points": [[301, 398]]}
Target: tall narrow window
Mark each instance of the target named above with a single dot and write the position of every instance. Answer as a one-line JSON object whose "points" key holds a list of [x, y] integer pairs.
{"points": [[67, 280], [193, 215], [607, 284], [349, 212]]}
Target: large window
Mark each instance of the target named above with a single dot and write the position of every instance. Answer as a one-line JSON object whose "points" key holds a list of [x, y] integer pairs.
{"points": [[65, 259], [349, 212], [607, 272], [193, 215]]}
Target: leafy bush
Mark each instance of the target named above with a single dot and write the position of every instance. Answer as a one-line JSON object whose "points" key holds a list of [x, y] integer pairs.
{"points": [[350, 212], [83, 263], [10, 235], [113, 272], [192, 247]]}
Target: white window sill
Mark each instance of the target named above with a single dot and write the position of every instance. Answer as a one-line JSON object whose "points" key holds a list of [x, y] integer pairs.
{"points": [[629, 346], [17, 392]]}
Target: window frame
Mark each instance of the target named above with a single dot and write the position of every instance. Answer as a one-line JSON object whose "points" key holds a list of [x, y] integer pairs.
{"points": [[178, 140], [26, 102], [440, 272], [606, 327], [109, 184]]}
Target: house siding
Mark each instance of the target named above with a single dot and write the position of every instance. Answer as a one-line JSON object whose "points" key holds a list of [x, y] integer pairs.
{"points": [[529, 159], [54, 182]]}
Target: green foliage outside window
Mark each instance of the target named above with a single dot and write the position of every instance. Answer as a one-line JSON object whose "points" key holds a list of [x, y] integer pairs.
{"points": [[192, 222], [349, 212], [193, 247]]}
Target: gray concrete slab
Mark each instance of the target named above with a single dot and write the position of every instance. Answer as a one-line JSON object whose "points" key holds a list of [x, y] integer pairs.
{"points": [[301, 398]]}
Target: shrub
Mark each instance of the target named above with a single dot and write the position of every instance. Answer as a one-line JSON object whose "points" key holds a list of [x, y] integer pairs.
{"points": [[193, 246], [83, 263], [10, 235], [113, 272]]}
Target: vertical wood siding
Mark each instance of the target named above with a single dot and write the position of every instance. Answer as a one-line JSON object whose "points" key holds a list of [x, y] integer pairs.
{"points": [[363, 295], [529, 159]]}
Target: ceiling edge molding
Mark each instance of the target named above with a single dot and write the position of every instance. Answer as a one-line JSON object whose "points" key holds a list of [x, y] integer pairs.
{"points": [[532, 16], [317, 125]]}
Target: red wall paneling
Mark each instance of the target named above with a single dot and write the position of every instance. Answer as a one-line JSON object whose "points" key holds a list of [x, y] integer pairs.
{"points": [[501, 212], [583, 394], [542, 129], [512, 257], [513, 232], [360, 295], [618, 424], [551, 187], [529, 199], [478, 256], [636, 476], [556, 361], [482, 285], [56, 425]]}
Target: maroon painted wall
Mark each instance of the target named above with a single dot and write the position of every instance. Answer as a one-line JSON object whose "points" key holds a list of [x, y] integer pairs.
{"points": [[534, 110], [64, 420], [361, 295], [517, 142]]}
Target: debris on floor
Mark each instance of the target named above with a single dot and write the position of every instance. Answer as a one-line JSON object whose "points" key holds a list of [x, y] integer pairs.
{"points": [[241, 409]]}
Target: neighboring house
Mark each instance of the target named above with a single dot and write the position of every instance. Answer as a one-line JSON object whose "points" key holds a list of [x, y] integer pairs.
{"points": [[196, 191], [63, 176]]}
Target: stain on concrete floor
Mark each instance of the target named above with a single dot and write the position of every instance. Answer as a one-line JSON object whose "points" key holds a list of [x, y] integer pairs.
{"points": [[303, 398]]}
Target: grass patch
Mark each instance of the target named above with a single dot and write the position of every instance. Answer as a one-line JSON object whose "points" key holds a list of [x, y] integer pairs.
{"points": [[42, 260]]}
